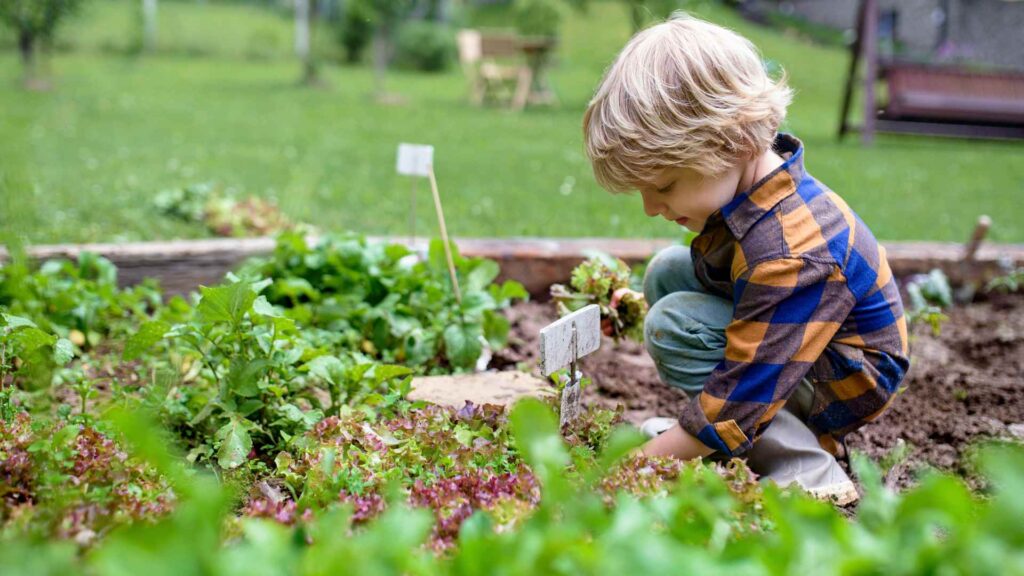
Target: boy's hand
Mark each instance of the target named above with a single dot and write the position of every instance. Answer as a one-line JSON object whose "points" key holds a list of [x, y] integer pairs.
{"points": [[606, 324], [677, 443]]}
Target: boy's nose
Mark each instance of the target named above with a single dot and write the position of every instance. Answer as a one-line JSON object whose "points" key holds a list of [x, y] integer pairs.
{"points": [[651, 207]]}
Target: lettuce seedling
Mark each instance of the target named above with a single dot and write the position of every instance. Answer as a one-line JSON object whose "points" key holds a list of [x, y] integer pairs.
{"points": [[605, 281]]}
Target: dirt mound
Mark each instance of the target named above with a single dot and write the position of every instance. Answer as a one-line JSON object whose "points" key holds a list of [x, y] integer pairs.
{"points": [[964, 385]]}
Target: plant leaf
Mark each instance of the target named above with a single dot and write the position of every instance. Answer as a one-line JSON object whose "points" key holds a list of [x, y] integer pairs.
{"points": [[235, 444], [263, 307], [149, 334], [462, 344], [225, 303], [63, 351], [15, 322], [482, 274], [327, 368], [383, 372], [243, 379], [29, 339], [496, 329]]}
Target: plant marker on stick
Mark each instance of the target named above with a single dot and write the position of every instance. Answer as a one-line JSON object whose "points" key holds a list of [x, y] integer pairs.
{"points": [[968, 269], [565, 341], [418, 160]]}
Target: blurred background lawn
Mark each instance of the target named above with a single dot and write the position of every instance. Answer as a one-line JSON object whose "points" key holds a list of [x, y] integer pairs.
{"points": [[219, 101]]}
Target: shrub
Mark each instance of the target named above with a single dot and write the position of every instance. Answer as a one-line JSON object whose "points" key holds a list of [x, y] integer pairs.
{"points": [[355, 29], [424, 46], [539, 17]]}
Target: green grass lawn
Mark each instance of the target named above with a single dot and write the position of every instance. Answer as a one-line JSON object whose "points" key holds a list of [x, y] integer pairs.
{"points": [[83, 161]]}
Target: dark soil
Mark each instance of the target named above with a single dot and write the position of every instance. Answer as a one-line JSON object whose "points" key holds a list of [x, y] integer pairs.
{"points": [[964, 386]]}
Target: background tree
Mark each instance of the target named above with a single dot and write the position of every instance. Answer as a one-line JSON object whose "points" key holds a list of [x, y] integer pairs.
{"points": [[35, 22], [305, 24], [644, 12], [384, 16], [149, 25]]}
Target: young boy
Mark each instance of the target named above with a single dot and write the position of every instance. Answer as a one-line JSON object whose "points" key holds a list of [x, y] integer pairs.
{"points": [[782, 321]]}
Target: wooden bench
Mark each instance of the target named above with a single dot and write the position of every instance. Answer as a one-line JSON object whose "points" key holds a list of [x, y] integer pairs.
{"points": [[495, 66], [930, 99]]}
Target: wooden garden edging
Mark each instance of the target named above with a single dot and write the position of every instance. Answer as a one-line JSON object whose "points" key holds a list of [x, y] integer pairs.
{"points": [[183, 265]]}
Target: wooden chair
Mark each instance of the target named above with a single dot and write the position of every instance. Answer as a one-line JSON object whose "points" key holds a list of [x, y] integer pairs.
{"points": [[929, 99], [495, 68]]}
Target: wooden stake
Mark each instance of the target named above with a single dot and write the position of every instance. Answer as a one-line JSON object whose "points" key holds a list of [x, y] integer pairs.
{"points": [[971, 274], [412, 214], [980, 231], [444, 235]]}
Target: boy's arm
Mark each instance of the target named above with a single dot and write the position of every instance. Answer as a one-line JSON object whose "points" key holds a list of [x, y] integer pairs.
{"points": [[676, 442]]}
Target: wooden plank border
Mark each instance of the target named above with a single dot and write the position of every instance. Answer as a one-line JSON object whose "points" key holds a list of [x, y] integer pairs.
{"points": [[183, 265]]}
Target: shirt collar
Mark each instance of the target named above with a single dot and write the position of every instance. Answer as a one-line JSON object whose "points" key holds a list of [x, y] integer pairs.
{"points": [[751, 205]]}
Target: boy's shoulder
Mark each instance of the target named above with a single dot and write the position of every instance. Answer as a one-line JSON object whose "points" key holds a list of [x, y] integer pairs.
{"points": [[792, 215]]}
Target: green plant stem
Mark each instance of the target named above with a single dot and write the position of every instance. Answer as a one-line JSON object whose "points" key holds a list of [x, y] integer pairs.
{"points": [[217, 346], [273, 338], [206, 361], [83, 393], [3, 363]]}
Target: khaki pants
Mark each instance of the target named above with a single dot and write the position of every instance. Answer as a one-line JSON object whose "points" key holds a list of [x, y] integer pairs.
{"points": [[685, 335]]}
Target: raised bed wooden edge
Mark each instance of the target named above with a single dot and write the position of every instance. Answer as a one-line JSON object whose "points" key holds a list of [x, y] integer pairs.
{"points": [[183, 265]]}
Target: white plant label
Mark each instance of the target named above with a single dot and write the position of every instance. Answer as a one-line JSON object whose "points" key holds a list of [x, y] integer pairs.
{"points": [[556, 339], [415, 159]]}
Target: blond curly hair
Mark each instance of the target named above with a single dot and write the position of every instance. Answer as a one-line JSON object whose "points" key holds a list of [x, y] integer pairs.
{"points": [[683, 93]]}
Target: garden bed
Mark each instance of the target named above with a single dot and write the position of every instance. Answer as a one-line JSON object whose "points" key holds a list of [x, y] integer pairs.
{"points": [[965, 385], [278, 406]]}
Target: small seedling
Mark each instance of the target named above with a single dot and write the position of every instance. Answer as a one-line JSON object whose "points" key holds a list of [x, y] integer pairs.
{"points": [[929, 295], [1008, 283]]}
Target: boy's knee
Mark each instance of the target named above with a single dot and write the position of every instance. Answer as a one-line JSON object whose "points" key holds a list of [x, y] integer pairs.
{"points": [[684, 320], [681, 337], [669, 271]]}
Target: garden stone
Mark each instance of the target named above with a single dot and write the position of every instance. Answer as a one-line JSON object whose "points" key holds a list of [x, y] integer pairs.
{"points": [[503, 388]]}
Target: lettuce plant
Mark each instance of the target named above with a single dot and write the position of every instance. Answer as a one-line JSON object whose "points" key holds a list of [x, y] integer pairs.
{"points": [[605, 281]]}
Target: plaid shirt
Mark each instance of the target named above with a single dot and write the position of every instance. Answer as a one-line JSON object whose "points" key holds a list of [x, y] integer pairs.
{"points": [[813, 296]]}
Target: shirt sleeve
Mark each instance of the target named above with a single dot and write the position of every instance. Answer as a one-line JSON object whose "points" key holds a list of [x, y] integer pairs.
{"points": [[785, 313]]}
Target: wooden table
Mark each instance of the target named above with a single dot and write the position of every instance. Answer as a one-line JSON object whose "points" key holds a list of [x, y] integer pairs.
{"points": [[534, 88]]}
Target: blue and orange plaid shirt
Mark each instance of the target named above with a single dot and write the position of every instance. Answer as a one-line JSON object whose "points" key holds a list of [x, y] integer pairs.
{"points": [[813, 297]]}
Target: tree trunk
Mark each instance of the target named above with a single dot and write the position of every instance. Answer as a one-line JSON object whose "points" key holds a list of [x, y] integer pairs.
{"points": [[149, 24], [381, 40], [302, 29], [304, 14], [28, 47]]}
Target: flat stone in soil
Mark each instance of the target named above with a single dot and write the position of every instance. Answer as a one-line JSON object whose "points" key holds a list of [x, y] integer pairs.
{"points": [[483, 388]]}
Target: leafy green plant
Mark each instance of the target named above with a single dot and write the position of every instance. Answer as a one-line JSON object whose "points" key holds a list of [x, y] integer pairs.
{"points": [[223, 214], [929, 295], [388, 303], [30, 352], [80, 301], [68, 481], [607, 282], [253, 388], [1007, 283], [606, 517]]}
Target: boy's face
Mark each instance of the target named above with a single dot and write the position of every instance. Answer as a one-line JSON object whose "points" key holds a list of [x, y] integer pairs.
{"points": [[687, 197]]}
